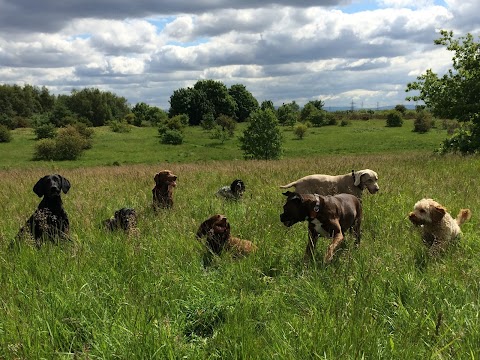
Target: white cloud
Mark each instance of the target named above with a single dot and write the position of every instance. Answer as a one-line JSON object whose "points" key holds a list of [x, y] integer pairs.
{"points": [[280, 50]]}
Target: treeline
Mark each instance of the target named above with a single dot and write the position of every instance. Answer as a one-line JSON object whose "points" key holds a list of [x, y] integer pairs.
{"points": [[29, 106], [203, 104]]}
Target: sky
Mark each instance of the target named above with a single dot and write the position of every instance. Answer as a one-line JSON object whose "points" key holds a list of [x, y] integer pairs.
{"points": [[363, 52]]}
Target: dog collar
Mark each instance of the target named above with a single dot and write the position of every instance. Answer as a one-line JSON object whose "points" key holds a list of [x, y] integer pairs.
{"points": [[316, 208]]}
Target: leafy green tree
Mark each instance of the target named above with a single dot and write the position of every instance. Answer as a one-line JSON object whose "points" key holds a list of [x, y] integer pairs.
{"points": [[312, 114], [262, 139], [267, 104], [300, 130], [246, 102], [206, 97], [288, 114], [5, 134], [455, 95], [394, 119], [177, 123], [402, 109], [319, 104], [224, 128]]}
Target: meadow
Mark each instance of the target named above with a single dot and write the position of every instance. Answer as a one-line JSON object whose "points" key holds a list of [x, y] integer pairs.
{"points": [[148, 295]]}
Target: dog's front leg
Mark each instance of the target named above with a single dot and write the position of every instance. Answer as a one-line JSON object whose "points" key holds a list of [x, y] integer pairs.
{"points": [[312, 241], [337, 239]]}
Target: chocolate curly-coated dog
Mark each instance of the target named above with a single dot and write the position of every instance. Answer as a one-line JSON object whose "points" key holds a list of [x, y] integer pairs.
{"points": [[217, 230], [165, 181]]}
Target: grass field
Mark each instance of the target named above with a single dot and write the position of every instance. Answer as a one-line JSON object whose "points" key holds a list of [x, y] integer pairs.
{"points": [[142, 145], [108, 296]]}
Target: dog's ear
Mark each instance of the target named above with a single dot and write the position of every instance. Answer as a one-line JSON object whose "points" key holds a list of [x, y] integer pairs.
{"points": [[288, 193], [437, 213], [204, 228], [65, 184], [39, 187], [156, 178], [227, 229], [357, 177]]}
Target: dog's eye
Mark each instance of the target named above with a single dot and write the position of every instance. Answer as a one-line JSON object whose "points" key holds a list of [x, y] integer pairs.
{"points": [[422, 211]]}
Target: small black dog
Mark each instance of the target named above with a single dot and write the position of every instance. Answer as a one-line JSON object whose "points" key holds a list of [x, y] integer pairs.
{"points": [[125, 219], [233, 192], [49, 221]]}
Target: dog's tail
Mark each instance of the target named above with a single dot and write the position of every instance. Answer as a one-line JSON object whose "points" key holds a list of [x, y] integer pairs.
{"points": [[288, 185], [463, 215]]}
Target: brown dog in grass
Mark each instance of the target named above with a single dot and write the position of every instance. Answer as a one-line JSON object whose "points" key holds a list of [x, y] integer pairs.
{"points": [[327, 216], [165, 181], [217, 230], [439, 228]]}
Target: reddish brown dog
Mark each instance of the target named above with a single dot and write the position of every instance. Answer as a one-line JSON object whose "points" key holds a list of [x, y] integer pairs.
{"points": [[217, 230], [165, 181], [327, 216]]}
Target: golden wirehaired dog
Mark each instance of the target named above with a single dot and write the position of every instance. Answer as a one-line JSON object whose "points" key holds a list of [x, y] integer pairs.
{"points": [[352, 183], [439, 229], [165, 181], [217, 230]]}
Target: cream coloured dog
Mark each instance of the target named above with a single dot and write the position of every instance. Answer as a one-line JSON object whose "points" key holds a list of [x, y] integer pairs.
{"points": [[439, 229], [351, 183]]}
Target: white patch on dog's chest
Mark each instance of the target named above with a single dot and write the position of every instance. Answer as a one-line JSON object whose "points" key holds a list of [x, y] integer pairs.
{"points": [[319, 229]]}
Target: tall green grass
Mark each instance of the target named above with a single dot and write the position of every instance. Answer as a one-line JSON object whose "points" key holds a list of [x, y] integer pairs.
{"points": [[109, 295]]}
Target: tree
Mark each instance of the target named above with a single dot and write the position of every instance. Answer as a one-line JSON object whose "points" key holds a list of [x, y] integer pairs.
{"points": [[394, 119], [401, 109], [287, 114], [314, 115], [262, 138], [267, 104], [223, 129], [246, 103], [455, 95], [206, 97]]}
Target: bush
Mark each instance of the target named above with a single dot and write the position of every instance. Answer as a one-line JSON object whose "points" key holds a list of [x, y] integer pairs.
{"points": [[45, 131], [45, 149], [394, 119], [300, 130], [465, 140], [345, 122], [67, 145], [423, 122], [120, 126], [172, 137], [331, 119], [262, 139], [5, 134]]}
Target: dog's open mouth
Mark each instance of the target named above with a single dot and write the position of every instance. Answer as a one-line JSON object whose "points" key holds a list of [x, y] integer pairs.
{"points": [[414, 219]]}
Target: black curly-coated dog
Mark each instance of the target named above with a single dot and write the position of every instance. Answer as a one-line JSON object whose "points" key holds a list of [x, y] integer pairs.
{"points": [[125, 219], [49, 221]]}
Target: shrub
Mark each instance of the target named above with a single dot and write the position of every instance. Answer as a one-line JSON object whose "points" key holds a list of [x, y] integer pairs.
{"points": [[5, 134], [172, 137], [67, 145], [394, 119], [331, 119], [345, 122], [262, 139], [86, 132], [176, 123], [224, 128], [45, 131], [120, 126], [423, 122], [45, 149], [300, 130], [465, 140]]}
